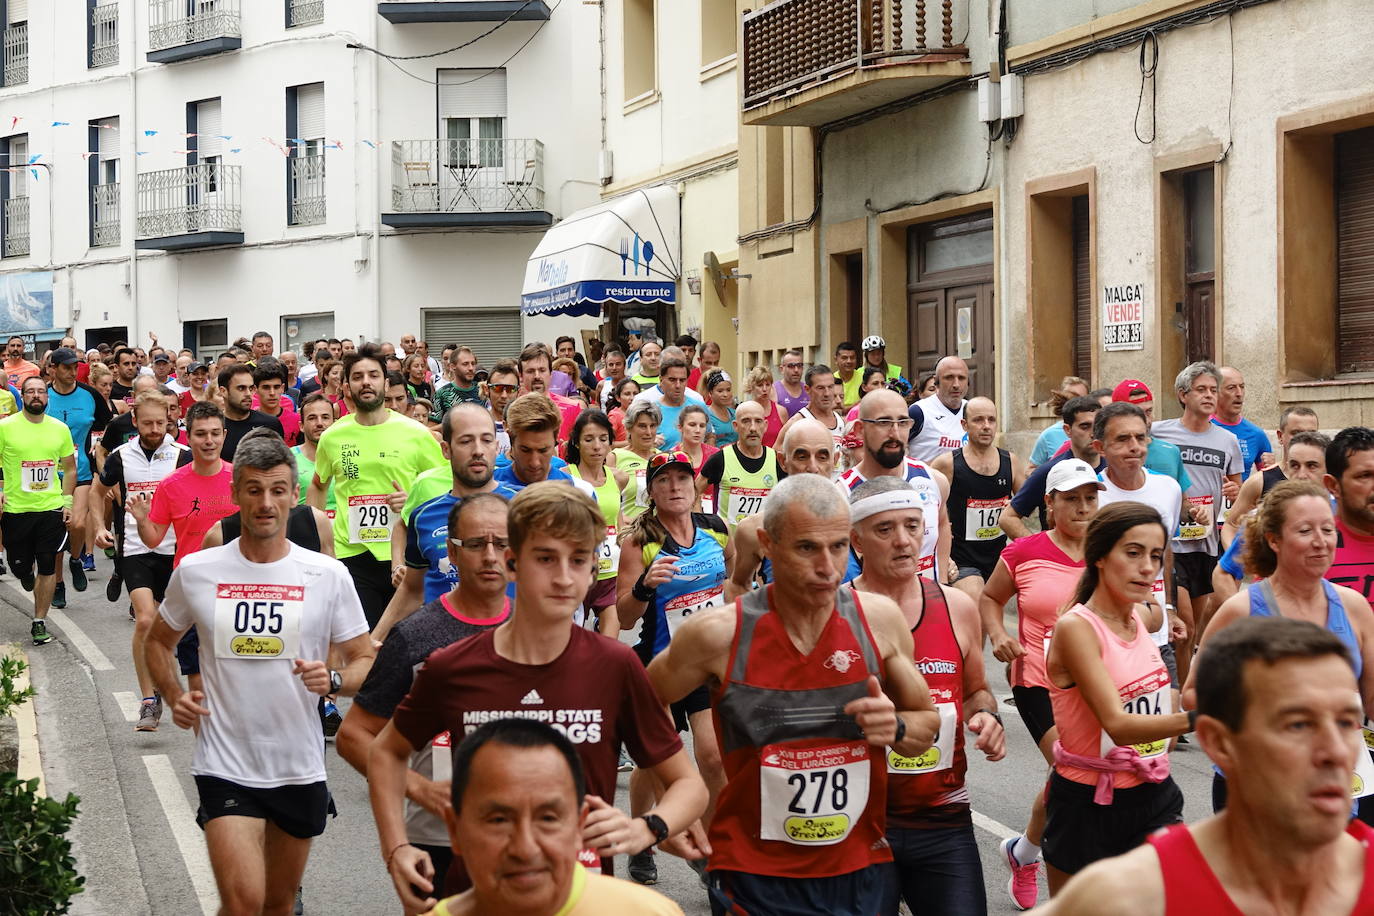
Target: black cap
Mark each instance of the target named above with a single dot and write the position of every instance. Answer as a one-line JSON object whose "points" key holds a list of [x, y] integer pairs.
{"points": [[65, 356], [162, 357], [196, 367]]}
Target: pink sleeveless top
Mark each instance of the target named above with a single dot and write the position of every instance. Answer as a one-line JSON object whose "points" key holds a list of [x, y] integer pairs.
{"points": [[1141, 681]]}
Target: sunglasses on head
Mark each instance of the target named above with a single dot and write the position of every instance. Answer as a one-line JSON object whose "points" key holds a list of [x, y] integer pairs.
{"points": [[663, 458]]}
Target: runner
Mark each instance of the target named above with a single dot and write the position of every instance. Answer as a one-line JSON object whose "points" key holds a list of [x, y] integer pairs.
{"points": [[882, 414], [532, 770], [1279, 711], [462, 363], [317, 415], [532, 421], [588, 450], [670, 396], [501, 389], [1293, 421], [774, 847], [823, 394], [535, 665], [847, 375], [1038, 571], [982, 479], [1350, 479], [692, 425], [1111, 786], [720, 408], [759, 385], [477, 602], [17, 368], [371, 456], [82, 409], [1256, 452], [787, 390], [37, 506], [641, 425], [1052, 438], [239, 416], [743, 474], [929, 820], [126, 371], [1078, 417], [646, 368], [937, 420], [272, 398], [270, 612], [138, 466]]}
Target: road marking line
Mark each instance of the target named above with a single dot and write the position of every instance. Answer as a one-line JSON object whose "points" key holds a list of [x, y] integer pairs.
{"points": [[78, 638], [182, 819], [128, 704], [999, 830]]}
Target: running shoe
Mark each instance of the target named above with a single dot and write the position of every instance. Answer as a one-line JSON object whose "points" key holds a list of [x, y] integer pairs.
{"points": [[112, 587], [39, 631], [27, 581], [299, 907], [1022, 886], [78, 573], [149, 714], [88, 562], [626, 764], [330, 719], [643, 869], [2, 566], [59, 595]]}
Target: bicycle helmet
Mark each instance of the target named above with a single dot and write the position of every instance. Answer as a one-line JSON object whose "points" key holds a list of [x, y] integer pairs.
{"points": [[874, 342]]}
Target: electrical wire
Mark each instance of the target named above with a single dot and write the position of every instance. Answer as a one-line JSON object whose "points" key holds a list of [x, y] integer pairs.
{"points": [[944, 195], [362, 47], [1148, 69]]}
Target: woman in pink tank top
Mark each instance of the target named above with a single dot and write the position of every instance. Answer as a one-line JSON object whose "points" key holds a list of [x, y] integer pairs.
{"points": [[1112, 703]]}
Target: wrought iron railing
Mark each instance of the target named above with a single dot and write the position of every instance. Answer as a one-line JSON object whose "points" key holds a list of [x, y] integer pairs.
{"points": [[789, 44], [105, 215], [16, 229], [305, 12], [16, 49], [105, 35], [173, 23], [197, 198], [307, 190], [466, 176]]}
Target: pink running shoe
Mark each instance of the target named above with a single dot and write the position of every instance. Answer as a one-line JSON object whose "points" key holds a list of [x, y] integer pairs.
{"points": [[1022, 886]]}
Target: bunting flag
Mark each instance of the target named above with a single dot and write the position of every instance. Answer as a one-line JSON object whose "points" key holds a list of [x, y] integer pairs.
{"points": [[287, 146], [61, 123]]}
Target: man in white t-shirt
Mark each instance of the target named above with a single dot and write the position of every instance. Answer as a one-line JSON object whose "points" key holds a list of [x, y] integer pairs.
{"points": [[938, 421], [268, 613]]}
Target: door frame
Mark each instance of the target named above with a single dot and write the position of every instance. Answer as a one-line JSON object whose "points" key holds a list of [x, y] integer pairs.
{"points": [[948, 281]]}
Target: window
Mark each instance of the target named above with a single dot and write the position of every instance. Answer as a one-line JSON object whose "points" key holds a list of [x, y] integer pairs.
{"points": [[1354, 185], [640, 48], [304, 12], [472, 117], [1082, 289], [212, 337], [305, 188], [14, 190], [209, 148], [104, 181], [493, 333], [103, 33], [718, 30], [1061, 238], [16, 43]]}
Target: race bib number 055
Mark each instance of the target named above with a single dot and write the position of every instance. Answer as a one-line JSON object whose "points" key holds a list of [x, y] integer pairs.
{"points": [[812, 796], [369, 520], [258, 622]]}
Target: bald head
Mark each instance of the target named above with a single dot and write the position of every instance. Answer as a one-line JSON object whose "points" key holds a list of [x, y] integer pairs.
{"points": [[750, 423], [1231, 395], [980, 422], [951, 377], [808, 448], [881, 402]]}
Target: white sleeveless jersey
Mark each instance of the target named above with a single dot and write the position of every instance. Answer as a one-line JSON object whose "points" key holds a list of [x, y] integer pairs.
{"points": [[942, 430], [927, 490]]}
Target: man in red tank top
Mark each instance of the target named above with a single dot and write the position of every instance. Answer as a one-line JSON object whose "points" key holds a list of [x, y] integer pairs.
{"points": [[1350, 478], [929, 821], [812, 683], [1279, 711]]}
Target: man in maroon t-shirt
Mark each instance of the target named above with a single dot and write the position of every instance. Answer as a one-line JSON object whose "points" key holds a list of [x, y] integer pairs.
{"points": [[1350, 478], [539, 665]]}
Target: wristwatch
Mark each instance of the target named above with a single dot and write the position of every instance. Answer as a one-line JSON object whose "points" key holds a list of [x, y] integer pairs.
{"points": [[335, 681], [656, 826], [901, 730], [991, 712]]}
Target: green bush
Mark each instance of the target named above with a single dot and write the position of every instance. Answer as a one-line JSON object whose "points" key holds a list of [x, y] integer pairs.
{"points": [[11, 668], [37, 870]]}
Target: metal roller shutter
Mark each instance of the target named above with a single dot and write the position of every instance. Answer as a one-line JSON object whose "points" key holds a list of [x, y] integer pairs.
{"points": [[18, 11], [209, 126], [1355, 250], [310, 112], [472, 94], [1082, 289], [107, 139], [493, 334]]}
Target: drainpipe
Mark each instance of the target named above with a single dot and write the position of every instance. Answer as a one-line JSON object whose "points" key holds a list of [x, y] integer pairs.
{"points": [[378, 157], [129, 202]]}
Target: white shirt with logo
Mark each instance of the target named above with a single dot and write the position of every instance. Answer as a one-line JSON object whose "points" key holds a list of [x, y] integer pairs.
{"points": [[942, 430], [254, 620], [1161, 493]]}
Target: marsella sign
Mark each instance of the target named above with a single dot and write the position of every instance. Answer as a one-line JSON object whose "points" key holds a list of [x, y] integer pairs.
{"points": [[1123, 317]]}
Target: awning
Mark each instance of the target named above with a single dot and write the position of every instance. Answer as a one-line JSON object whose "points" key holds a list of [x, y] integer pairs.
{"points": [[627, 249]]}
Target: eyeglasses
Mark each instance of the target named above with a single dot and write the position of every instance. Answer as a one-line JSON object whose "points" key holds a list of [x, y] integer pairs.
{"points": [[791, 365], [886, 424], [475, 545]]}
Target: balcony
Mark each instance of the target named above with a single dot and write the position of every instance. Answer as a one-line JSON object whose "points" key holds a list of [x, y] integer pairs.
{"points": [[306, 175], [183, 29], [105, 215], [403, 11], [105, 35], [197, 206], [16, 228], [16, 49], [304, 12], [467, 183], [811, 62]]}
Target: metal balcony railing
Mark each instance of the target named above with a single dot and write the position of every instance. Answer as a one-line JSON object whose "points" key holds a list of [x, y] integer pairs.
{"points": [[16, 49], [105, 35], [789, 44], [173, 23], [466, 176], [305, 12], [307, 190], [105, 215], [205, 197], [16, 229]]}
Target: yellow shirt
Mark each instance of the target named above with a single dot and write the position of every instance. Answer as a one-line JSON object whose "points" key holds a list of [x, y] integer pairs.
{"points": [[592, 895]]}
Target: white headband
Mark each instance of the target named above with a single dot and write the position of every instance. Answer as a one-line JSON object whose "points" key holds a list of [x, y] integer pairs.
{"points": [[884, 502]]}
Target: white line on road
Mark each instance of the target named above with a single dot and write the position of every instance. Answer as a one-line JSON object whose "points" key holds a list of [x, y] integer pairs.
{"points": [[182, 820], [996, 828], [128, 704], [78, 638]]}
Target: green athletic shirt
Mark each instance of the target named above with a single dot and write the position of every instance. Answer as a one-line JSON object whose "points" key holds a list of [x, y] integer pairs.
{"points": [[432, 483], [31, 454], [364, 462], [634, 499], [305, 470]]}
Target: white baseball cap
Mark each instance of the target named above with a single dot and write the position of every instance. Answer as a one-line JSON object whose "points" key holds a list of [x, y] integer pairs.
{"points": [[1069, 475]]}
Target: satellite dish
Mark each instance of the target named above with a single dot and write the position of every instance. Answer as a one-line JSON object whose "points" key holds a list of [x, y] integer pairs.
{"points": [[712, 264]]}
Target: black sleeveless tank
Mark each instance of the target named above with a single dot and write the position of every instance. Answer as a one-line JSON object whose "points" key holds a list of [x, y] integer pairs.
{"points": [[976, 502], [300, 528]]}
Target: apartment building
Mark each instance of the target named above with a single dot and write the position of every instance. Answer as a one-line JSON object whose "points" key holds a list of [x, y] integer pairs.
{"points": [[1108, 189], [202, 169]]}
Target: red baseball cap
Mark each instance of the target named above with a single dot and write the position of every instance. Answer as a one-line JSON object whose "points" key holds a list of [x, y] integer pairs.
{"points": [[1132, 391]]}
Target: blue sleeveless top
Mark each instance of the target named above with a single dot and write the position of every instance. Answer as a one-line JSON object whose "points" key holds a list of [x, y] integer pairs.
{"points": [[1263, 604]]}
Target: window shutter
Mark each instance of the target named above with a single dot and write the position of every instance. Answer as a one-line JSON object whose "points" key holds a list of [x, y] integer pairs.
{"points": [[472, 94], [1082, 289], [107, 139], [310, 112], [208, 128], [492, 334], [19, 178], [18, 11], [1355, 250]]}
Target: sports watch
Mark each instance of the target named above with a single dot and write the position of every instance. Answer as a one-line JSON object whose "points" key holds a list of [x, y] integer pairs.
{"points": [[335, 681], [656, 826]]}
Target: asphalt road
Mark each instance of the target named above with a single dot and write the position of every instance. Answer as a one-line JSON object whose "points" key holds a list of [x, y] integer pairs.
{"points": [[141, 853]]}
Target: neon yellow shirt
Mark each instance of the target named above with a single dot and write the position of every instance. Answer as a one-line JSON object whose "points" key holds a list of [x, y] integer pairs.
{"points": [[593, 895], [305, 470], [31, 454]]}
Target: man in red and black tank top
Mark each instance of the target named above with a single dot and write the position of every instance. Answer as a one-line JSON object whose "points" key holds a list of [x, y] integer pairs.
{"points": [[1350, 478], [1285, 842], [812, 683], [929, 822]]}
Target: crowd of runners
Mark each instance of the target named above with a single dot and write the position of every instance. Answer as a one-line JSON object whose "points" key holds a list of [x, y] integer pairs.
{"points": [[534, 576]]}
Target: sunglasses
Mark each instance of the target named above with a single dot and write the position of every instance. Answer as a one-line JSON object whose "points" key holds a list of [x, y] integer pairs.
{"points": [[664, 458], [502, 388]]}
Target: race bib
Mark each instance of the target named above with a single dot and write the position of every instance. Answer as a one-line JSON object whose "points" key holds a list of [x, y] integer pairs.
{"points": [[589, 860], [1226, 505], [742, 502], [608, 555], [941, 753], [812, 796], [925, 566], [258, 622], [642, 488], [1147, 697], [1195, 530], [982, 519], [1363, 782], [708, 504], [37, 476], [680, 608], [369, 520], [441, 758]]}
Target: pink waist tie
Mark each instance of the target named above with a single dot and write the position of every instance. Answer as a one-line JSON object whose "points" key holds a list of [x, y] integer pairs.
{"points": [[1118, 760]]}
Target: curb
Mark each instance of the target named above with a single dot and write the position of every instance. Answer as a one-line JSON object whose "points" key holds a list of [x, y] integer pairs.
{"points": [[30, 765]]}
